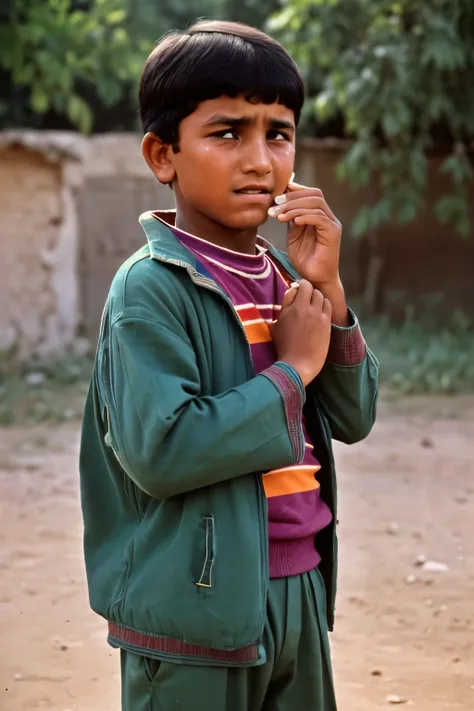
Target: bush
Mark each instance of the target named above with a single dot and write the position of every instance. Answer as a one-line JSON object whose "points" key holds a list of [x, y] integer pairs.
{"points": [[416, 359]]}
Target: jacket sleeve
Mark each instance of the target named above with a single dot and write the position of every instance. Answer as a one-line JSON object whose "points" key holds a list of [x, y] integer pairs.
{"points": [[168, 436], [346, 389]]}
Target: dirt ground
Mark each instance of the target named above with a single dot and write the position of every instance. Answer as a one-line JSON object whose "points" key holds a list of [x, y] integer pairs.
{"points": [[401, 631]]}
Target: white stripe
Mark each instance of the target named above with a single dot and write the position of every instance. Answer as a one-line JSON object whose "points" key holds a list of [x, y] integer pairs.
{"points": [[244, 306], [257, 320], [262, 275], [241, 307]]}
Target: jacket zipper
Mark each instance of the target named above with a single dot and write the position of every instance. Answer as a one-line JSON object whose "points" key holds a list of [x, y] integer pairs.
{"points": [[327, 443], [207, 283]]}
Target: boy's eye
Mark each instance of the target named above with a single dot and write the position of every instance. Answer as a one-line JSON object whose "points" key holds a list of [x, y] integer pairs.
{"points": [[278, 136], [228, 133], [272, 135]]}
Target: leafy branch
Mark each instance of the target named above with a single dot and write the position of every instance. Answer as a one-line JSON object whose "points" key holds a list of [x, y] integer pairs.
{"points": [[49, 48], [400, 74]]}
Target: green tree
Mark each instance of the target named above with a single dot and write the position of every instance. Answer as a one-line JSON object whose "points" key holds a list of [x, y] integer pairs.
{"points": [[399, 72], [150, 19], [67, 62], [251, 12], [50, 49]]}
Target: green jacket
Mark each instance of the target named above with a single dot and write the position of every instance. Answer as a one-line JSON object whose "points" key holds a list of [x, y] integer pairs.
{"points": [[176, 432]]}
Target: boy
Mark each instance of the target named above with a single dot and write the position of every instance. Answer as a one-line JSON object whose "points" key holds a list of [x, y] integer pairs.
{"points": [[223, 369]]}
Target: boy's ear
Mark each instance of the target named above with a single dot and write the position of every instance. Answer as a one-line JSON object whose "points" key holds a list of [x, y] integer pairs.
{"points": [[158, 155]]}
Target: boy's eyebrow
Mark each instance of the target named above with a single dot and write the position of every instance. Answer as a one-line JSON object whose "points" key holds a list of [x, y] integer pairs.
{"points": [[222, 119]]}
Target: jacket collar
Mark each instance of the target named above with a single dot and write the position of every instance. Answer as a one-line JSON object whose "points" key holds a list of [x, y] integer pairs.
{"points": [[164, 246], [162, 243]]}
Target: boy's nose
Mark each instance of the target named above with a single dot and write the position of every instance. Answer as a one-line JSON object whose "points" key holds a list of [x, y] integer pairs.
{"points": [[257, 158]]}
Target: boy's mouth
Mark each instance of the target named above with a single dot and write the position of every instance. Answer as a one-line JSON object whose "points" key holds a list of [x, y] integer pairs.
{"points": [[258, 195], [253, 190]]}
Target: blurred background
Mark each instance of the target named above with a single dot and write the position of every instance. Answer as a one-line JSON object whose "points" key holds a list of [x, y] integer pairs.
{"points": [[388, 134]]}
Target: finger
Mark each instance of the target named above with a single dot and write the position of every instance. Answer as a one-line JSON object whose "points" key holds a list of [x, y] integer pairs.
{"points": [[317, 298], [307, 202], [290, 295], [296, 187], [304, 292], [318, 221], [323, 225], [294, 191], [327, 308], [297, 195], [315, 213]]}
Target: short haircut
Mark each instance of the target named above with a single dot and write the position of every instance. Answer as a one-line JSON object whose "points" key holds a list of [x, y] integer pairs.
{"points": [[212, 59]]}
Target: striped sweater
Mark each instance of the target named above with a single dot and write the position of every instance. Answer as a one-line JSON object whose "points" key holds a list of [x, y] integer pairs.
{"points": [[296, 511]]}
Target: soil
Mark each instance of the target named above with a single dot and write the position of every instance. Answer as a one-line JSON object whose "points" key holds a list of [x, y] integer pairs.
{"points": [[404, 635]]}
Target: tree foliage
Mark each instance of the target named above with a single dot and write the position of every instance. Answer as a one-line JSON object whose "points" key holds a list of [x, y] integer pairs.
{"points": [[400, 74], [65, 61], [150, 19], [251, 12], [49, 49]]}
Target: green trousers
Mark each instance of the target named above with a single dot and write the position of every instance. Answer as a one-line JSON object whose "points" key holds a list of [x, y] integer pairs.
{"points": [[296, 677]]}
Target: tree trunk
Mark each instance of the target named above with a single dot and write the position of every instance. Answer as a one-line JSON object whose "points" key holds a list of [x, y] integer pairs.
{"points": [[373, 283]]}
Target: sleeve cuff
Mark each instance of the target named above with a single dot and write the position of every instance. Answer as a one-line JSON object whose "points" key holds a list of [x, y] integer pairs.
{"points": [[289, 383], [347, 344]]}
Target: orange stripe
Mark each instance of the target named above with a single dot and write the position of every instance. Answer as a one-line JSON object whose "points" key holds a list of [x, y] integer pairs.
{"points": [[290, 481], [258, 332]]}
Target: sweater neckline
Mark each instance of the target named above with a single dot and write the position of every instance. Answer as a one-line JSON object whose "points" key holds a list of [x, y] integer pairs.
{"points": [[254, 266]]}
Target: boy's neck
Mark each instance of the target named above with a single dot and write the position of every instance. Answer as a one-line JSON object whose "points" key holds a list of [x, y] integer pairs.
{"points": [[243, 241]]}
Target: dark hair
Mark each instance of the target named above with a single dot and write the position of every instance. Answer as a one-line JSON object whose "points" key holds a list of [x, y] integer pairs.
{"points": [[212, 59]]}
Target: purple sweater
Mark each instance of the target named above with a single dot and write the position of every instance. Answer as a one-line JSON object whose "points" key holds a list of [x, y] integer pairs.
{"points": [[296, 511]]}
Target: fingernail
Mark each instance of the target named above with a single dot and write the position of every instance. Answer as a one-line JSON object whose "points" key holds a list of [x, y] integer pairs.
{"points": [[273, 212], [293, 284], [280, 199]]}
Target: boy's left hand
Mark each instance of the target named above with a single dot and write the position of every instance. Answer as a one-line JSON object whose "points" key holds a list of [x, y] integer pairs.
{"points": [[314, 234]]}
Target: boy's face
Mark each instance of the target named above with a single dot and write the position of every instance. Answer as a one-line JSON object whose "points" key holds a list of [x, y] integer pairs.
{"points": [[235, 157]]}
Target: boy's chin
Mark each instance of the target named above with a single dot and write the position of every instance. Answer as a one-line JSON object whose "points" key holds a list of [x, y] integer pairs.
{"points": [[246, 222]]}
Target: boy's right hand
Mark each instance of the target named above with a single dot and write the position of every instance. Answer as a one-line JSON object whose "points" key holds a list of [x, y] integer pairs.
{"points": [[302, 333]]}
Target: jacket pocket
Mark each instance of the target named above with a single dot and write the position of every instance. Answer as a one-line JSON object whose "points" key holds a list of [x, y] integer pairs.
{"points": [[206, 577], [151, 667]]}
